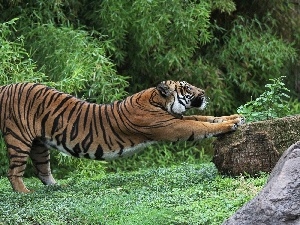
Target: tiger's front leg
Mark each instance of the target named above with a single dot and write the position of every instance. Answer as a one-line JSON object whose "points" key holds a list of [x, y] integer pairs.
{"points": [[195, 130], [212, 119]]}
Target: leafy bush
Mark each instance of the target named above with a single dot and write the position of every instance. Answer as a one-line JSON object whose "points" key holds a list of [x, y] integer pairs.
{"points": [[155, 40], [75, 63], [294, 105], [16, 63], [252, 51], [64, 166], [273, 103], [250, 55]]}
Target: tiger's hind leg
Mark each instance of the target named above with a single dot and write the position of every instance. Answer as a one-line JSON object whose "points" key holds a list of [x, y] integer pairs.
{"points": [[18, 152], [40, 156]]}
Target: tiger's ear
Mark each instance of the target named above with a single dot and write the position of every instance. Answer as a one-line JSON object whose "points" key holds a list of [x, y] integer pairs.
{"points": [[163, 89]]}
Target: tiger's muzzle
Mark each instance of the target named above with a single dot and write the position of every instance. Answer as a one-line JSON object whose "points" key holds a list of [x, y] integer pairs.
{"points": [[199, 102]]}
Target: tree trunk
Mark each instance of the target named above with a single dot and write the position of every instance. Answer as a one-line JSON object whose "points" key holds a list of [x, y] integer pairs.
{"points": [[255, 147]]}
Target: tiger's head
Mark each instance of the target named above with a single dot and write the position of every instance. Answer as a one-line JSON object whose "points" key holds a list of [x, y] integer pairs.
{"points": [[180, 96]]}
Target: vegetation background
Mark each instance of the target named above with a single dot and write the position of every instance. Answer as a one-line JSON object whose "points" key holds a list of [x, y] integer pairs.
{"points": [[104, 50]]}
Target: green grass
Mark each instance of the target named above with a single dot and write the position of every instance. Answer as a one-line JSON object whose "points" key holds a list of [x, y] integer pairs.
{"points": [[185, 194]]}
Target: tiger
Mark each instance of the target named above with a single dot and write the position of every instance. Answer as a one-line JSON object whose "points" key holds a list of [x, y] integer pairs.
{"points": [[35, 118]]}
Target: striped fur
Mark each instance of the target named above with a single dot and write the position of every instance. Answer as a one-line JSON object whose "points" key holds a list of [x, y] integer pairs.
{"points": [[35, 118]]}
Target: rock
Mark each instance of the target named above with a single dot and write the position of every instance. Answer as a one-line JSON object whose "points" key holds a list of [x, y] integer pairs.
{"points": [[255, 147], [278, 203]]}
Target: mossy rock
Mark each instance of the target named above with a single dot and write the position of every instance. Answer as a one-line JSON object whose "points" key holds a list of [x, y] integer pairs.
{"points": [[256, 146]]}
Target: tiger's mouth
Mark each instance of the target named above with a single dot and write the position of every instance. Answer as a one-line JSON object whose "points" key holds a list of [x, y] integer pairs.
{"points": [[199, 102]]}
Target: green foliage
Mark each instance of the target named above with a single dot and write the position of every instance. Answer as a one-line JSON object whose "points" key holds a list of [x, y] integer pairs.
{"points": [[273, 103], [36, 12], [75, 63], [294, 105], [225, 6], [185, 194], [251, 50], [3, 158], [250, 55], [164, 154], [66, 166], [16, 64], [150, 39]]}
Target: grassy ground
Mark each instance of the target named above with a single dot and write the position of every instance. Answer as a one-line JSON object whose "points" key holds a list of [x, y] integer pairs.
{"points": [[185, 194]]}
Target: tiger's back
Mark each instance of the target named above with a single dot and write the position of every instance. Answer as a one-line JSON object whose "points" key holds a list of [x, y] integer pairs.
{"points": [[59, 120]]}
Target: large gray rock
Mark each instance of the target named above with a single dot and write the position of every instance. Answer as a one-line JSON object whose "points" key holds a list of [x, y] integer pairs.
{"points": [[278, 203]]}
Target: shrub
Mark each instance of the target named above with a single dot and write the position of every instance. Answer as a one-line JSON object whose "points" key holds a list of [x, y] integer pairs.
{"points": [[249, 57], [273, 103], [154, 40], [221, 46], [16, 63], [75, 63]]}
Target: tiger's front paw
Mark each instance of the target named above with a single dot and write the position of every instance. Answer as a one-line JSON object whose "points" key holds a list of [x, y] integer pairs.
{"points": [[240, 120]]}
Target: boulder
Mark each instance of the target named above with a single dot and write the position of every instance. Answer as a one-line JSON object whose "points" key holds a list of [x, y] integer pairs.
{"points": [[278, 203], [255, 147]]}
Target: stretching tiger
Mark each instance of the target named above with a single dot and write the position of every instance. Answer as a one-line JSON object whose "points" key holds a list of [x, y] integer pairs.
{"points": [[35, 118]]}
